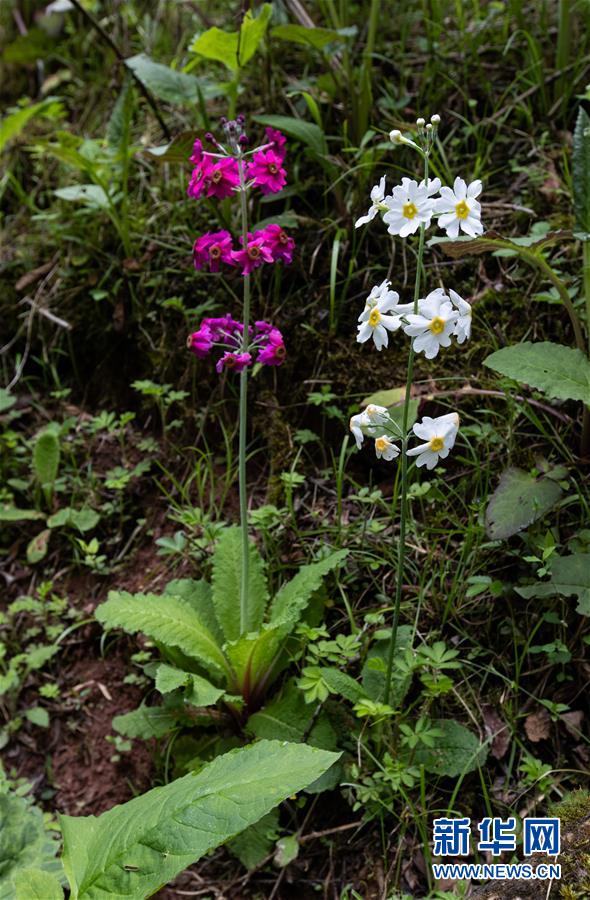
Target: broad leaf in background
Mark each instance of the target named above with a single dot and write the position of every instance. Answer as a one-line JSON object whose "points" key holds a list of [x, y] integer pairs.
{"points": [[24, 843], [147, 722], [169, 85], [46, 454], [560, 372], [234, 49], [518, 501], [12, 124], [311, 37], [177, 151], [133, 849], [570, 575], [307, 132], [256, 842], [457, 751], [581, 172]]}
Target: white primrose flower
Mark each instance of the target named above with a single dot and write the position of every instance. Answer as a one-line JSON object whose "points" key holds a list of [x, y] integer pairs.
{"points": [[434, 324], [462, 329], [377, 205], [374, 319], [385, 449], [408, 207], [433, 187], [439, 435], [459, 210], [370, 421]]}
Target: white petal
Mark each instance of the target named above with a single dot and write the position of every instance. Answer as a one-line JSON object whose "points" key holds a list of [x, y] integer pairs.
{"points": [[460, 189]]}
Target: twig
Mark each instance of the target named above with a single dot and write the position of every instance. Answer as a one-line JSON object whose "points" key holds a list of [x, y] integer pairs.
{"points": [[106, 37]]}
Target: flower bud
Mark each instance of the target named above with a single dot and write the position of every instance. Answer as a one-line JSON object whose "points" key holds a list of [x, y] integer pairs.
{"points": [[420, 122], [395, 136], [435, 119], [429, 126]]}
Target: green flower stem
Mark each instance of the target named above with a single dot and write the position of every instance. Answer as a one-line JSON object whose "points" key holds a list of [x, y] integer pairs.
{"points": [[401, 553], [586, 271], [244, 418]]}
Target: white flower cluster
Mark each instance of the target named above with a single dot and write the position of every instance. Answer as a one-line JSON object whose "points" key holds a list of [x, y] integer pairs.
{"points": [[438, 435], [439, 318], [412, 204], [432, 321]]}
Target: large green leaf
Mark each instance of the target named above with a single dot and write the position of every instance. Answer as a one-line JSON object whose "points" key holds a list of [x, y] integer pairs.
{"points": [[226, 581], [133, 849], [569, 575], [167, 84], [177, 151], [290, 602], [35, 884], [91, 195], [169, 620], [581, 171], [233, 49], [24, 843], [558, 371], [307, 132], [457, 751], [518, 501], [341, 683]]}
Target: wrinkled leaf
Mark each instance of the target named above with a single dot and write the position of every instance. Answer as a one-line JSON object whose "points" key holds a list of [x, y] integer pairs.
{"points": [[226, 584], [46, 454], [172, 622], [558, 371], [457, 751], [518, 501], [24, 843], [35, 884], [133, 849], [292, 599], [569, 575]]}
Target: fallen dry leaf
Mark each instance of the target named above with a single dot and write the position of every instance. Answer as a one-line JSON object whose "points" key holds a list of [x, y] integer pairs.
{"points": [[538, 726]]}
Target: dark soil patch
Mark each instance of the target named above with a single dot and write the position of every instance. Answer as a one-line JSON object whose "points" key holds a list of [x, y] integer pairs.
{"points": [[84, 773]]}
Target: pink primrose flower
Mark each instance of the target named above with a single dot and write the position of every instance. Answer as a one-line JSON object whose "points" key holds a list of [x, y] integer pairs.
{"points": [[212, 249], [267, 171]]}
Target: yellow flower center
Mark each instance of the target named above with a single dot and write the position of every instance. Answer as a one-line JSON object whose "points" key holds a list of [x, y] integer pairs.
{"points": [[374, 318], [381, 444], [409, 210], [462, 210], [437, 325], [436, 444]]}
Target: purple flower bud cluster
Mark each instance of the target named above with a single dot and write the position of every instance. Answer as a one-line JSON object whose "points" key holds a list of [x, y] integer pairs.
{"points": [[265, 345]]}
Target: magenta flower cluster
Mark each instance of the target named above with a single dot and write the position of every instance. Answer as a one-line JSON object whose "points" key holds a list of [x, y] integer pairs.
{"points": [[267, 245], [215, 176], [265, 344], [225, 171]]}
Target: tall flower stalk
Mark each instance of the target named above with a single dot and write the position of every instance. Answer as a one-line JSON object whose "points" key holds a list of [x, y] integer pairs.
{"points": [[243, 423], [430, 322], [233, 170]]}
